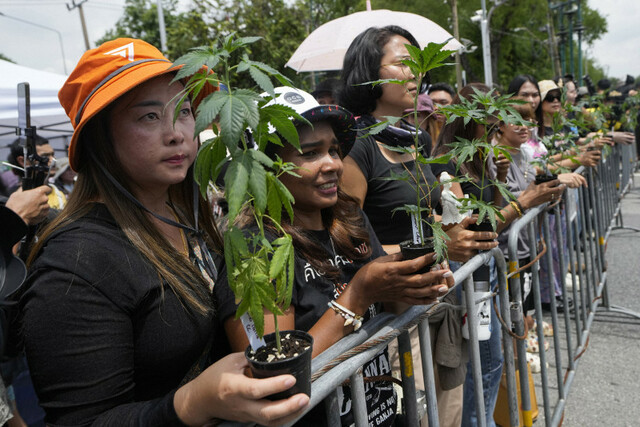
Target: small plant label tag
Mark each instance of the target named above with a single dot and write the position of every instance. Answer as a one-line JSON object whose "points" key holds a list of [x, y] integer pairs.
{"points": [[416, 228], [250, 329]]}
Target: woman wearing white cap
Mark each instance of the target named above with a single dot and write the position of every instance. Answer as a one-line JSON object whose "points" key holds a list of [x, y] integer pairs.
{"points": [[118, 317], [340, 270]]}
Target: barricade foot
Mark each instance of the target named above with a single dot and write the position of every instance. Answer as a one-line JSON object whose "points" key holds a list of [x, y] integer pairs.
{"points": [[618, 309], [624, 227]]}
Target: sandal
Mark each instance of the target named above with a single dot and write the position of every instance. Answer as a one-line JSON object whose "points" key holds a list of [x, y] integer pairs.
{"points": [[533, 343], [535, 363], [547, 329]]}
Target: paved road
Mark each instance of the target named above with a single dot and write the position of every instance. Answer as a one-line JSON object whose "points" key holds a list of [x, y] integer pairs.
{"points": [[606, 389]]}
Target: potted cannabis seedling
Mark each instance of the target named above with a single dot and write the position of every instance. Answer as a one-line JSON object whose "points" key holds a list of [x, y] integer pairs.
{"points": [[428, 235], [486, 111], [259, 270]]}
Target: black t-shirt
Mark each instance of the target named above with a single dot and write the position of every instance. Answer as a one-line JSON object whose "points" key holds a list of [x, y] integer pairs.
{"points": [[467, 186], [311, 294], [105, 344], [383, 195]]}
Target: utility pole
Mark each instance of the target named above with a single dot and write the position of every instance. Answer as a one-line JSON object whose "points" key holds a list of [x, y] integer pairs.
{"points": [[553, 43], [580, 29], [483, 18], [163, 31], [570, 14], [84, 24], [486, 46], [456, 34]]}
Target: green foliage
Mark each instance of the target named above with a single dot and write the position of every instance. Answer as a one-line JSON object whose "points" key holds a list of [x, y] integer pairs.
{"points": [[140, 20], [260, 273], [282, 24], [630, 109], [420, 62], [487, 110], [519, 39]]}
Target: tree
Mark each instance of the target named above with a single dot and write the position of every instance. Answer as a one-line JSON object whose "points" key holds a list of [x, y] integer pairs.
{"points": [[4, 58], [519, 40], [282, 26], [140, 20]]}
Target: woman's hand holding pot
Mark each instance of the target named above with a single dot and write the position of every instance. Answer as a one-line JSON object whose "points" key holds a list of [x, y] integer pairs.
{"points": [[572, 180], [390, 278], [464, 244], [589, 158], [535, 195], [626, 138], [223, 391]]}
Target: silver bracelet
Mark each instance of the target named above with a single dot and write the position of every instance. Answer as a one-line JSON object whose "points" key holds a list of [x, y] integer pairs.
{"points": [[350, 317]]}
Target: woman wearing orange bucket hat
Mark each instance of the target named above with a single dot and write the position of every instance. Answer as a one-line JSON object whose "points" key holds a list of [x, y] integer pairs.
{"points": [[118, 318]]}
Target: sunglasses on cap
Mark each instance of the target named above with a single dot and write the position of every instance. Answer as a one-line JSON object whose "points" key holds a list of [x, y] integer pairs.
{"points": [[553, 97]]}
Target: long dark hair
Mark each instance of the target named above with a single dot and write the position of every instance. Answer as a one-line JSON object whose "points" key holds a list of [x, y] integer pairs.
{"points": [[362, 64], [458, 129], [514, 89], [346, 228], [344, 222], [92, 185]]}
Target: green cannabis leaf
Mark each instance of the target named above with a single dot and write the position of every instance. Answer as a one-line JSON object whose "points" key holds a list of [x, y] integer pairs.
{"points": [[260, 272]]}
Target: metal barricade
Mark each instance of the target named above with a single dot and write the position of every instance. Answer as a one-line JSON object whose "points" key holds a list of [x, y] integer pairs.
{"points": [[588, 217], [581, 232], [380, 331]]}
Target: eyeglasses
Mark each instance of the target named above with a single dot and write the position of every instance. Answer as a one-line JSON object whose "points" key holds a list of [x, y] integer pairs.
{"points": [[553, 97]]}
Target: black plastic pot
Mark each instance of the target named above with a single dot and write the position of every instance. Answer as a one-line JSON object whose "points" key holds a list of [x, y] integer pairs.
{"points": [[411, 250], [545, 178], [299, 366], [485, 225]]}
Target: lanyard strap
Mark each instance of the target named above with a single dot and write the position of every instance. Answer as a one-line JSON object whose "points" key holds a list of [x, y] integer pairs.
{"points": [[205, 260]]}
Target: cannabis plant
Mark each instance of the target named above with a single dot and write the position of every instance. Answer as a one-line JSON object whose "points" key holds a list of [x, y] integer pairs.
{"points": [[260, 272]]}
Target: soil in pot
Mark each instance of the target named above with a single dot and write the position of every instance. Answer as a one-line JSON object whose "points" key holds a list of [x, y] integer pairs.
{"points": [[412, 250], [545, 178], [295, 359]]}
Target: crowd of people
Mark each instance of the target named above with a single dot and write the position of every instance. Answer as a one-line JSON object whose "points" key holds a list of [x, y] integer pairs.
{"points": [[126, 316]]}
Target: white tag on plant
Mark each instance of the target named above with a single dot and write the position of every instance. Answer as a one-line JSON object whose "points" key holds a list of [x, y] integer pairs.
{"points": [[250, 329], [416, 228]]}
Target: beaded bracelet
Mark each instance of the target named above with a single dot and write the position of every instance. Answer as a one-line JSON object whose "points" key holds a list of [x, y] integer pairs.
{"points": [[517, 207], [349, 316]]}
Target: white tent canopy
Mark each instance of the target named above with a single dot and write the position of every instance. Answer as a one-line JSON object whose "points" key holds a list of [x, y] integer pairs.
{"points": [[46, 112]]}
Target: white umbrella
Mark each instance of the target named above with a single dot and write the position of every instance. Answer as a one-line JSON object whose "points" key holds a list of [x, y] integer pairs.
{"points": [[325, 47]]}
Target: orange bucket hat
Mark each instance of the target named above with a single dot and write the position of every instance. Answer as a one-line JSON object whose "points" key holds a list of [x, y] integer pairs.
{"points": [[104, 74]]}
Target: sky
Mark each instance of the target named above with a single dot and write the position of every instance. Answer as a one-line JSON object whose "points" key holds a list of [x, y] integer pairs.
{"points": [[29, 45], [619, 50]]}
